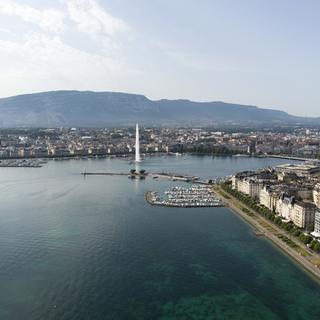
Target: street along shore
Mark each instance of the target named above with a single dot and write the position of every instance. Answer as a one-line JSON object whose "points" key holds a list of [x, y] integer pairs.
{"points": [[310, 261]]}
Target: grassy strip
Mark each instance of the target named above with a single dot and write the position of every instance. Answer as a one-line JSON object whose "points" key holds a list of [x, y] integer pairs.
{"points": [[225, 195], [247, 211], [293, 245]]}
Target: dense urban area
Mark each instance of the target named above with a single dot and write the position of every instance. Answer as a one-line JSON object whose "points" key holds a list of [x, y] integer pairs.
{"points": [[73, 142], [288, 195]]}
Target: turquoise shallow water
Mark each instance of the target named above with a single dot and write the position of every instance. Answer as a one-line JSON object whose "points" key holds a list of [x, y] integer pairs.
{"points": [[75, 248]]}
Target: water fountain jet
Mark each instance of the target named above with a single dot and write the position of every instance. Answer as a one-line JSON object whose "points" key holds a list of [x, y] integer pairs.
{"points": [[137, 147]]}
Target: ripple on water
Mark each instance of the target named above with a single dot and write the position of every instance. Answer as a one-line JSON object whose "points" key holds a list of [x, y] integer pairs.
{"points": [[93, 249]]}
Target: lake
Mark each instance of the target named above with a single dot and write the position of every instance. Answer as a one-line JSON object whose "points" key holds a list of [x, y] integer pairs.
{"points": [[92, 248]]}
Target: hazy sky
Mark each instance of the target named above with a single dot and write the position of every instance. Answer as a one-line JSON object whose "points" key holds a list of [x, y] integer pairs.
{"points": [[265, 53]]}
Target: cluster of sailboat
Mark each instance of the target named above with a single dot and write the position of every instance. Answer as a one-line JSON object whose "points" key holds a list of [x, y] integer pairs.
{"points": [[195, 196], [23, 163]]}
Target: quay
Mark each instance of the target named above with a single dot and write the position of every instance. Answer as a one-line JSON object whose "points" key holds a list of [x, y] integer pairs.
{"points": [[289, 157]]}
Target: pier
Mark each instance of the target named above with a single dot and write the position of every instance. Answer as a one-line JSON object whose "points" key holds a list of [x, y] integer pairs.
{"points": [[174, 176], [129, 174], [104, 173]]}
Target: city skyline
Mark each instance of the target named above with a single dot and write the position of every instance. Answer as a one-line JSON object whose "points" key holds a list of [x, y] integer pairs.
{"points": [[261, 54]]}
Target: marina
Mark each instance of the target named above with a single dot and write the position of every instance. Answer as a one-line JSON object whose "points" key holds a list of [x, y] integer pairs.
{"points": [[22, 163], [195, 196]]}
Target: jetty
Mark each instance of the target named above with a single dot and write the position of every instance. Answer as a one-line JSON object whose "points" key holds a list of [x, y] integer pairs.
{"points": [[174, 176], [104, 173], [142, 173]]}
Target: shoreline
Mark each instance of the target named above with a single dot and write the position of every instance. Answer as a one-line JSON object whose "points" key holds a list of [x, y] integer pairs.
{"points": [[299, 260], [124, 155]]}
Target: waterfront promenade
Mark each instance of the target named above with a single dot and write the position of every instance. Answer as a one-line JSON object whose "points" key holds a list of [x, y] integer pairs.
{"points": [[289, 157], [306, 258]]}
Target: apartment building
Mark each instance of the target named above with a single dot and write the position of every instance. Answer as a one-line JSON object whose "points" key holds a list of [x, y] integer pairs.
{"points": [[316, 195], [304, 215]]}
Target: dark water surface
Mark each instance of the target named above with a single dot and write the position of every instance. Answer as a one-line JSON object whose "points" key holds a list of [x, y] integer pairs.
{"points": [[74, 248]]}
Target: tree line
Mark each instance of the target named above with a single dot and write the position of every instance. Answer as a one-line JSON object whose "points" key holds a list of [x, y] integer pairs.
{"points": [[271, 216]]}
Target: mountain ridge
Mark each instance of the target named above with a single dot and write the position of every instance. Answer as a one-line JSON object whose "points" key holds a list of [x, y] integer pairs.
{"points": [[73, 108]]}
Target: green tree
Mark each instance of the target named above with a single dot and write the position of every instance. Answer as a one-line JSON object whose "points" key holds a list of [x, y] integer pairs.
{"points": [[313, 243], [297, 233], [317, 247]]}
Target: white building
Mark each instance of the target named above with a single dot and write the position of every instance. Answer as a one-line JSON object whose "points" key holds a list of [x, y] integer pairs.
{"points": [[240, 176], [316, 232], [304, 215], [247, 183], [285, 207], [305, 169], [268, 198], [316, 195], [250, 187]]}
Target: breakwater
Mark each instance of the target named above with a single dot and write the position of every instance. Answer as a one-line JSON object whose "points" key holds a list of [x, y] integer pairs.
{"points": [[162, 175]]}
